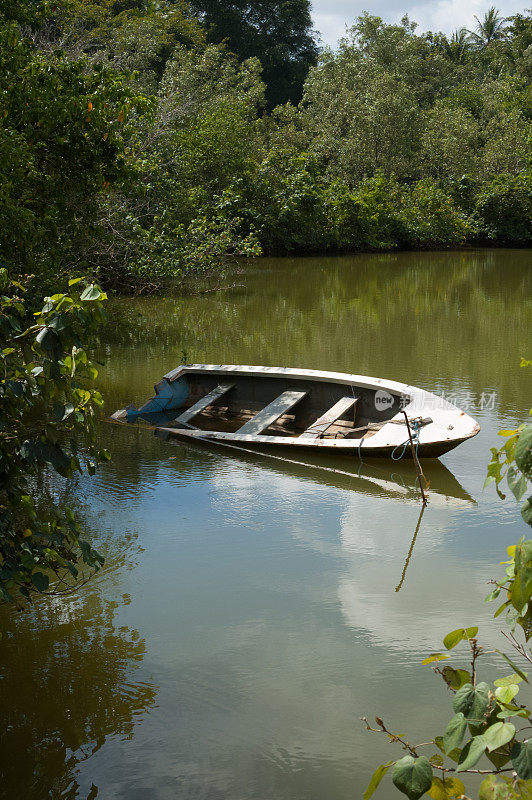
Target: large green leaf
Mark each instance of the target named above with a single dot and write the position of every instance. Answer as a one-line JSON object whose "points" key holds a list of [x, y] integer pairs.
{"points": [[521, 588], [513, 711], [522, 759], [526, 510], [92, 292], [509, 680], [412, 776], [517, 483], [455, 678], [454, 732], [376, 778], [446, 789], [473, 702], [506, 693], [471, 753], [454, 637], [523, 451], [492, 788], [498, 735], [49, 340]]}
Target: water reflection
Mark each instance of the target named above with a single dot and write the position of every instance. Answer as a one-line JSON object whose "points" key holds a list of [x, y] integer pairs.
{"points": [[67, 683], [378, 477], [430, 319], [266, 591], [411, 549]]}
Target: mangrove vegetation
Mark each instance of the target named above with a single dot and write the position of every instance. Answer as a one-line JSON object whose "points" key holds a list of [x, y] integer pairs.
{"points": [[142, 141]]}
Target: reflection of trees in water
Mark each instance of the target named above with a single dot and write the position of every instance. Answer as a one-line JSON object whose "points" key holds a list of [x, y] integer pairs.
{"points": [[140, 460], [66, 684], [329, 312]]}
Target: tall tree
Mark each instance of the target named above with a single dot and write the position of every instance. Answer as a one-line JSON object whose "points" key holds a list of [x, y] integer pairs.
{"points": [[490, 29], [457, 46], [279, 34]]}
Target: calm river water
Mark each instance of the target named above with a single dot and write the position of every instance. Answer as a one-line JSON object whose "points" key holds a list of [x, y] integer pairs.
{"points": [[250, 612]]}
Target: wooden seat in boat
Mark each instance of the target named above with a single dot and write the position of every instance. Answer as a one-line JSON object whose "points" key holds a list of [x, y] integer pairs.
{"points": [[319, 427], [203, 403], [268, 415]]}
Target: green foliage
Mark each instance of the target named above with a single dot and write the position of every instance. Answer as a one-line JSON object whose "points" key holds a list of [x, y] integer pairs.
{"points": [[523, 451], [136, 38], [449, 141], [422, 107], [279, 34], [502, 788], [376, 778], [522, 759], [512, 462], [430, 217], [46, 414], [134, 151], [61, 145], [488, 30], [459, 635], [163, 222], [454, 732], [504, 209], [412, 776]]}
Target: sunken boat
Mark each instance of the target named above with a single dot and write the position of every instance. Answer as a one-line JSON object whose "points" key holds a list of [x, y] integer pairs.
{"points": [[260, 407]]}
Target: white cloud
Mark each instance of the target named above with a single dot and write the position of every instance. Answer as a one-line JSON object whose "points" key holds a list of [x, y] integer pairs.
{"points": [[447, 15], [331, 27], [330, 18]]}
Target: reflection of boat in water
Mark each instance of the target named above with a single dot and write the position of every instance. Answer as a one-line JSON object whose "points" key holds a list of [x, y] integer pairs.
{"points": [[372, 477], [375, 479], [304, 410], [367, 477]]}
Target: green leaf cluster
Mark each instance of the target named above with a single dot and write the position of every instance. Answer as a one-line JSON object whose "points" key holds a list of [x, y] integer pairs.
{"points": [[47, 408]]}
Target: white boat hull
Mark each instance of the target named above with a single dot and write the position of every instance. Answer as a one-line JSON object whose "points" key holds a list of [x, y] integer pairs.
{"points": [[295, 400]]}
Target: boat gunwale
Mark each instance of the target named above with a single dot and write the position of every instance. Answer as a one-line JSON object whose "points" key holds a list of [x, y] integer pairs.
{"points": [[323, 376]]}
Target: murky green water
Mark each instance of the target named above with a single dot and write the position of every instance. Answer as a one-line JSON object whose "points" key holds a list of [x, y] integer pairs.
{"points": [[250, 611]]}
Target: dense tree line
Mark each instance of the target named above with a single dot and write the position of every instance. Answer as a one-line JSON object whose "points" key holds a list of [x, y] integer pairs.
{"points": [[137, 146]]}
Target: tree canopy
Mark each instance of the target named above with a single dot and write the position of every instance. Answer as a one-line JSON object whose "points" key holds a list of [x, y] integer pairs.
{"points": [[138, 147], [279, 34]]}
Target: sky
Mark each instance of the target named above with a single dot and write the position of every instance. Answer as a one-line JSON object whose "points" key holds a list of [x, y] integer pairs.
{"points": [[331, 16]]}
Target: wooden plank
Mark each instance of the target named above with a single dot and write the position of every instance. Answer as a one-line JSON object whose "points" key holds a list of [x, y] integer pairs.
{"points": [[319, 427], [271, 413], [291, 441], [204, 402]]}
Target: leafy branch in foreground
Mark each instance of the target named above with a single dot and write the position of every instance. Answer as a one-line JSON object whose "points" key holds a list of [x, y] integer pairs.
{"points": [[47, 405], [513, 461], [489, 721]]}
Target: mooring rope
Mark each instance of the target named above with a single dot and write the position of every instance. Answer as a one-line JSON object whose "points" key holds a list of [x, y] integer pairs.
{"points": [[416, 427]]}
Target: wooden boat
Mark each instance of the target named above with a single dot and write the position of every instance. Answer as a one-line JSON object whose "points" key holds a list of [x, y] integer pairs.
{"points": [[302, 408]]}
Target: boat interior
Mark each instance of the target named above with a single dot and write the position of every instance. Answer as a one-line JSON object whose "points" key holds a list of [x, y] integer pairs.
{"points": [[271, 405]]}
